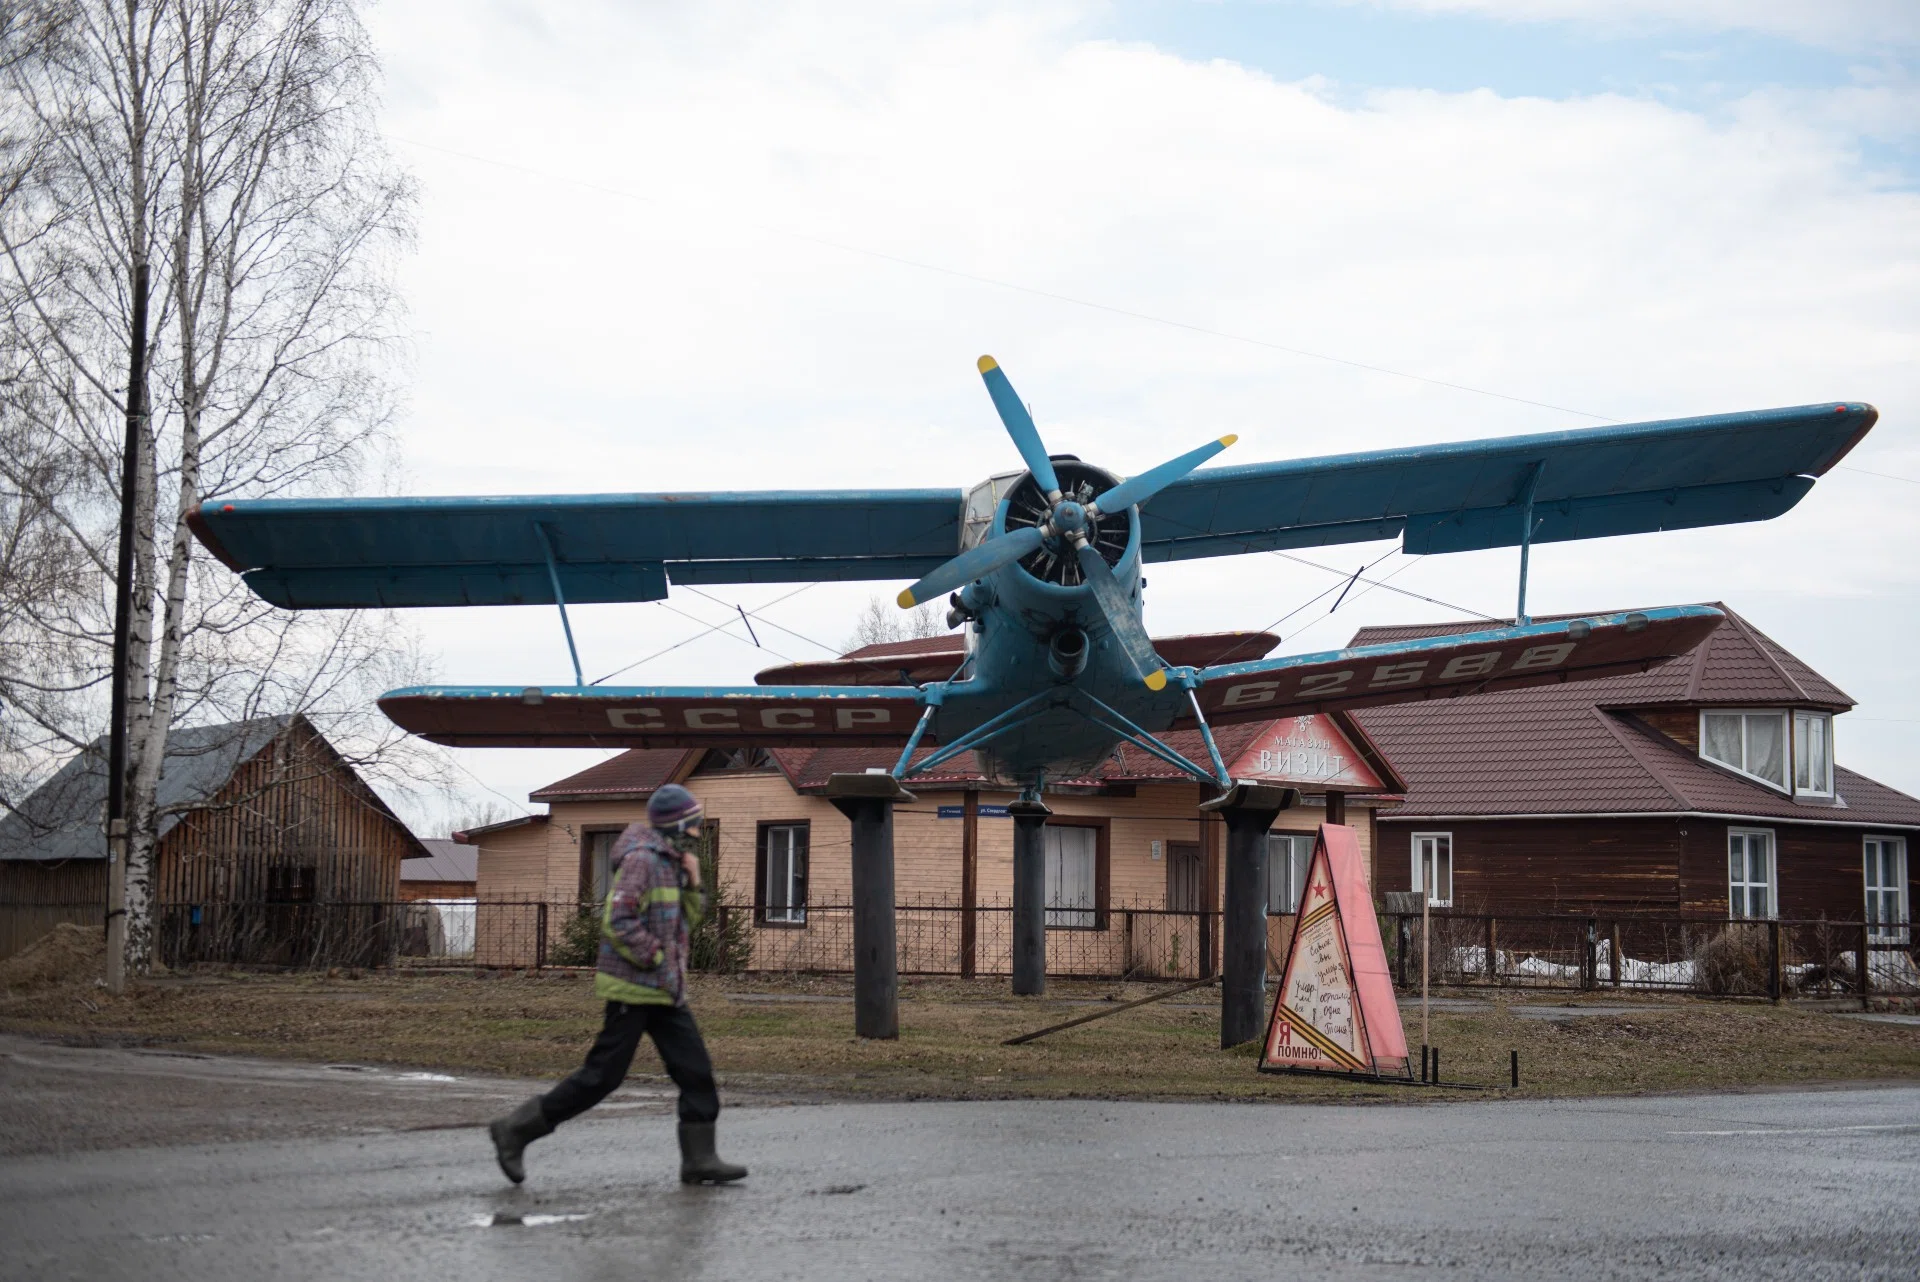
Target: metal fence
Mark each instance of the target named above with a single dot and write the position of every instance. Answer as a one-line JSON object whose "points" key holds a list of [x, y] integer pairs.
{"points": [[1776, 959], [304, 935]]}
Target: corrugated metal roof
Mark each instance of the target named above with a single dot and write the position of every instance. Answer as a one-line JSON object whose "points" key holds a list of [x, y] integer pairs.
{"points": [[65, 817], [447, 860], [1579, 749]]}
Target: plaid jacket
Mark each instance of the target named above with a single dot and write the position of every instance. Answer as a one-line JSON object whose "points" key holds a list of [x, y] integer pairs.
{"points": [[644, 923]]}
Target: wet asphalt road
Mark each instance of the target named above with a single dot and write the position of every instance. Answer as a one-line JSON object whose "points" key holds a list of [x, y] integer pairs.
{"points": [[1820, 1184]]}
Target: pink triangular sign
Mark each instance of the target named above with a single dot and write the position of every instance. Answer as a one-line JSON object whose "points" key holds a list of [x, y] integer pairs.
{"points": [[1335, 1011]]}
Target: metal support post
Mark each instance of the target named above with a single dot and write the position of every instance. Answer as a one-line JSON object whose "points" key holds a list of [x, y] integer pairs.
{"points": [[1249, 811], [1029, 895], [970, 884], [867, 802]]}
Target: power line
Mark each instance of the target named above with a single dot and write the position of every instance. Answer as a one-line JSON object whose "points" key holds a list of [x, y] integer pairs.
{"points": [[1885, 476]]}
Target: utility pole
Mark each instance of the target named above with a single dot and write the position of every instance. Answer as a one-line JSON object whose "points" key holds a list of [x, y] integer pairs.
{"points": [[122, 630]]}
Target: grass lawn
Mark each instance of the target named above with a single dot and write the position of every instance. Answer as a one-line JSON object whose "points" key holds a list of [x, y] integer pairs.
{"points": [[765, 1042]]}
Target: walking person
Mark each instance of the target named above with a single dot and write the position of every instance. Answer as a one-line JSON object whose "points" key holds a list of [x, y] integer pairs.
{"points": [[654, 899]]}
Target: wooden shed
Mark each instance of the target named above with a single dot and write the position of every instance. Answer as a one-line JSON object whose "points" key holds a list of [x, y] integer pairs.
{"points": [[272, 850]]}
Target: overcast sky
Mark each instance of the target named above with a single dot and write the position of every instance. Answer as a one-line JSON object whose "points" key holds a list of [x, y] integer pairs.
{"points": [[710, 245]]}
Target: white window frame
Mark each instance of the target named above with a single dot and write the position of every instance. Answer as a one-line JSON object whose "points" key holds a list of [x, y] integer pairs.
{"points": [[1816, 787], [1772, 882], [1781, 715], [1441, 895], [789, 913], [1072, 916], [1885, 903], [1289, 854]]}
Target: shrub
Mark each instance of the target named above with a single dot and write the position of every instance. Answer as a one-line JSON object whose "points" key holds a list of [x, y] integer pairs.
{"points": [[1734, 962], [579, 941]]}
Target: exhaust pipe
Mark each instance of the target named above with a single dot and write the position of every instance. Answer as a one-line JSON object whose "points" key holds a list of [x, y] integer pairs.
{"points": [[1067, 653]]}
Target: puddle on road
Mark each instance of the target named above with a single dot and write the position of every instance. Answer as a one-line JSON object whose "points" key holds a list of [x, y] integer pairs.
{"points": [[840, 1190], [428, 1077], [514, 1219]]}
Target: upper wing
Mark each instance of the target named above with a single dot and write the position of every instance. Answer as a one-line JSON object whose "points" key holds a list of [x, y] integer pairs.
{"points": [[658, 717], [1446, 667], [1593, 482], [319, 553]]}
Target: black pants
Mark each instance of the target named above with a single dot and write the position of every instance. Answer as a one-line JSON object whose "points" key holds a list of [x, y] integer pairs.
{"points": [[677, 1039]]}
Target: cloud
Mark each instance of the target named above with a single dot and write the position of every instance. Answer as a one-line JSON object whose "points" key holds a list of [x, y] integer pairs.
{"points": [[644, 295], [1859, 26]]}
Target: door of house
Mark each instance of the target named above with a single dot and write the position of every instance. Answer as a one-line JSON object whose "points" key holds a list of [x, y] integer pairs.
{"points": [[1186, 877]]}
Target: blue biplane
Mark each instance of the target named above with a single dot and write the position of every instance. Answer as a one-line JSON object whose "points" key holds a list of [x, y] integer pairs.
{"points": [[1043, 568]]}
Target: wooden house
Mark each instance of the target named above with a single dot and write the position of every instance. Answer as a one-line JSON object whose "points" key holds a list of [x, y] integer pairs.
{"points": [[1708, 787], [272, 850]]}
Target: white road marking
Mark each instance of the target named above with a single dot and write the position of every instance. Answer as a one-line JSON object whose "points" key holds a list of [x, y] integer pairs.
{"points": [[1808, 1130]]}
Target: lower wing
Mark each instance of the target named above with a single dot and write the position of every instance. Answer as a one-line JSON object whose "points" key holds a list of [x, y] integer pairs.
{"points": [[1446, 667], [657, 717]]}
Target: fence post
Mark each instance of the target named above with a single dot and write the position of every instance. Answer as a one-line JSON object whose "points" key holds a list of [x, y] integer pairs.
{"points": [[1400, 946], [1866, 967], [1493, 969], [1591, 979], [1776, 985], [1617, 955], [540, 935]]}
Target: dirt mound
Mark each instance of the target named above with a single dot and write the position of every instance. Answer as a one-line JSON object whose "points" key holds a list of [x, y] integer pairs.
{"points": [[66, 954]]}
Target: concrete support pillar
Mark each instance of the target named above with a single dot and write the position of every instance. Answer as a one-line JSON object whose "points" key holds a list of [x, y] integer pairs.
{"points": [[1248, 810], [1029, 897], [867, 802]]}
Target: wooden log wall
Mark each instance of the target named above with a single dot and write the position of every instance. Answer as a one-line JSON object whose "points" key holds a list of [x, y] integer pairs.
{"points": [[293, 816], [36, 897], [1610, 867]]}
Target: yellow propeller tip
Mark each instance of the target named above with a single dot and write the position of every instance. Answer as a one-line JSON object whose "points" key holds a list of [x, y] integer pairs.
{"points": [[988, 364], [1228, 439], [906, 599], [1157, 681]]}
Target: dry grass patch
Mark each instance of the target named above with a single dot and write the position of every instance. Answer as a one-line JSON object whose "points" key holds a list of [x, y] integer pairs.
{"points": [[538, 1026]]}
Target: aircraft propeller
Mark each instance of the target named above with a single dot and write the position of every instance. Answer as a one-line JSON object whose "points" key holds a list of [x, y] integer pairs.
{"points": [[1067, 520]]}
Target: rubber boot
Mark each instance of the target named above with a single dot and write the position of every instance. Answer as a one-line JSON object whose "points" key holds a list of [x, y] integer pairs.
{"points": [[698, 1164], [512, 1133]]}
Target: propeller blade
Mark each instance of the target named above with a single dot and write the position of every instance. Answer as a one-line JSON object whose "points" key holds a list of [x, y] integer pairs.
{"points": [[1121, 617], [1026, 437], [974, 563], [1138, 489]]}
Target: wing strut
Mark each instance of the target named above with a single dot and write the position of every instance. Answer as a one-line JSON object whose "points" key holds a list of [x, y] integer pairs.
{"points": [[1520, 619], [560, 599]]}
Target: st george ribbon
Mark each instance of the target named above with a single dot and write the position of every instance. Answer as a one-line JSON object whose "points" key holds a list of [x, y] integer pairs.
{"points": [[1335, 1012]]}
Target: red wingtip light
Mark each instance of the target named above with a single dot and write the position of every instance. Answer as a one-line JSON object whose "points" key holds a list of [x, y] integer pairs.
{"points": [[227, 507]]}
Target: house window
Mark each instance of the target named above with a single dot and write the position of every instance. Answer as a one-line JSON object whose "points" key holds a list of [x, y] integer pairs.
{"points": [[783, 874], [1887, 888], [733, 761], [1288, 854], [290, 885], [597, 865], [1750, 873], [1753, 743], [1813, 753], [1434, 850], [1073, 865]]}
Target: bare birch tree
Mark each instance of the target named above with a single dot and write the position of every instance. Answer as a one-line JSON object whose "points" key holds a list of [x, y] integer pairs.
{"points": [[230, 146]]}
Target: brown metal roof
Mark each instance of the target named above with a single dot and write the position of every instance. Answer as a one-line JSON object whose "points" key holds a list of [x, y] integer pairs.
{"points": [[1579, 749], [631, 775]]}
